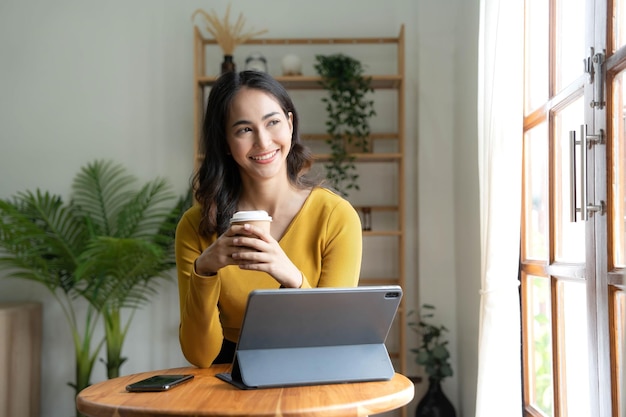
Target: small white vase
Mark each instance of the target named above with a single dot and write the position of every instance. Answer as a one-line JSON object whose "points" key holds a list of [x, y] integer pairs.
{"points": [[292, 65]]}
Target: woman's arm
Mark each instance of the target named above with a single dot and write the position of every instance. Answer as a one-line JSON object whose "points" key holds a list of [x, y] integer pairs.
{"points": [[342, 253], [200, 331]]}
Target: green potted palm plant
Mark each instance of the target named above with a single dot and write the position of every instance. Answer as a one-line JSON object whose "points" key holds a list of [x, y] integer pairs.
{"points": [[348, 111], [109, 245], [433, 355]]}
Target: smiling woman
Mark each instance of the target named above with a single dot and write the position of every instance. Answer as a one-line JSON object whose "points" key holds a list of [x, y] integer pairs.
{"points": [[254, 160]]}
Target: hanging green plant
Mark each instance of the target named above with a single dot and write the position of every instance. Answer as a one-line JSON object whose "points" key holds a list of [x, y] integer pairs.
{"points": [[349, 111]]}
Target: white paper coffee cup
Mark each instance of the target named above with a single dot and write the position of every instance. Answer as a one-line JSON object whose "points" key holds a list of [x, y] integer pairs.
{"points": [[258, 218]]}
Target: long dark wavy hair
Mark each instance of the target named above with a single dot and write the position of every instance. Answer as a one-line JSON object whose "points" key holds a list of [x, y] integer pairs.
{"points": [[217, 183]]}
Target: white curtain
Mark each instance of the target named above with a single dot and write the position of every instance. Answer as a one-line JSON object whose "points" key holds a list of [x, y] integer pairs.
{"points": [[500, 112]]}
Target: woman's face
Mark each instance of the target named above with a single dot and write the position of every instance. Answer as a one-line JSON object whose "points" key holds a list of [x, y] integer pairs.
{"points": [[258, 134]]}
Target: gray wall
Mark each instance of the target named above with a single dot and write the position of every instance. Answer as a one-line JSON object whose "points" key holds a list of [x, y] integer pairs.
{"points": [[81, 79]]}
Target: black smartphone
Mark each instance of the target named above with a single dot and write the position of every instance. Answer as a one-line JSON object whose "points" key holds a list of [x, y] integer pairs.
{"points": [[158, 383]]}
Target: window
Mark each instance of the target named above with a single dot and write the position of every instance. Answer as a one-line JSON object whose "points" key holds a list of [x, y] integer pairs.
{"points": [[573, 210]]}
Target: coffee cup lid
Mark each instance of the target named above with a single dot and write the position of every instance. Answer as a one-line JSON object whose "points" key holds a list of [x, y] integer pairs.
{"points": [[253, 215]]}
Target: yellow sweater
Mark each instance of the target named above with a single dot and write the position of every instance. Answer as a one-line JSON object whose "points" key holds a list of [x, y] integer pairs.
{"points": [[324, 241]]}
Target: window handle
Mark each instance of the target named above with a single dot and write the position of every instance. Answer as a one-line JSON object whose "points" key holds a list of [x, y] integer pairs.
{"points": [[572, 176], [585, 142]]}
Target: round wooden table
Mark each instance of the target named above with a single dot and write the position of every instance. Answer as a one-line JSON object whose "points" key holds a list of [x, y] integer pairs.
{"points": [[206, 395]]}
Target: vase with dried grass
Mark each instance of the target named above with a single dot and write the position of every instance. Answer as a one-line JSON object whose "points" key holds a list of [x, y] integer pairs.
{"points": [[227, 35]]}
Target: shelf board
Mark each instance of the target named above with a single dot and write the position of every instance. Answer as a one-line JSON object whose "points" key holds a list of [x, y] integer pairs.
{"points": [[358, 157], [377, 208], [374, 233], [364, 157], [306, 82], [311, 41], [373, 136]]}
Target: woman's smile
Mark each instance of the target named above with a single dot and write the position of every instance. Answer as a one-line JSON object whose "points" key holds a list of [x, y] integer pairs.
{"points": [[265, 157]]}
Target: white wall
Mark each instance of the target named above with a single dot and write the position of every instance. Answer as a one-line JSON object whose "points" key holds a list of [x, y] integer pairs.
{"points": [[81, 79]]}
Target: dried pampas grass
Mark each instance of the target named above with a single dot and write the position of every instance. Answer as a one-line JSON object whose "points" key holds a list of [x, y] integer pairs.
{"points": [[226, 35]]}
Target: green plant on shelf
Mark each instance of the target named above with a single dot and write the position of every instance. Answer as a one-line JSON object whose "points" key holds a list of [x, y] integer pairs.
{"points": [[349, 111]]}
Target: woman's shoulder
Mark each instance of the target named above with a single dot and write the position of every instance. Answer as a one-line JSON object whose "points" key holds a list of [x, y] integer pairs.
{"points": [[189, 226], [324, 194], [327, 210], [192, 216], [324, 198]]}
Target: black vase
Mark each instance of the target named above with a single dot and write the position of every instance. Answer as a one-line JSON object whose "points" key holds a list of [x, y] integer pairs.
{"points": [[228, 65], [434, 403]]}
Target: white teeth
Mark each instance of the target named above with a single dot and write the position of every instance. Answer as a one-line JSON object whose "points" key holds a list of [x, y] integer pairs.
{"points": [[264, 157]]}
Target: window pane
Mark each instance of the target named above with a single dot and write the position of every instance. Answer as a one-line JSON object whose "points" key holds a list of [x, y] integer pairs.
{"points": [[539, 347], [570, 41], [536, 193], [573, 360], [619, 174], [569, 235], [619, 23], [536, 61]]}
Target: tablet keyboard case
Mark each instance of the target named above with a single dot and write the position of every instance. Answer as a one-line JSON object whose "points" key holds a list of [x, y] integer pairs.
{"points": [[315, 336]]}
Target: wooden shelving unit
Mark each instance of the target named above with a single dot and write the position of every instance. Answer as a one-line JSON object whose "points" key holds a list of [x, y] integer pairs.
{"points": [[394, 82]]}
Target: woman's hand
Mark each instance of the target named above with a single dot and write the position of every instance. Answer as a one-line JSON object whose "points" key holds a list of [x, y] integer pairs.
{"points": [[219, 254], [257, 250], [253, 249]]}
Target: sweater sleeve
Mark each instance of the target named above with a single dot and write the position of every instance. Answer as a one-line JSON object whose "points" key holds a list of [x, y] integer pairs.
{"points": [[342, 247], [200, 330]]}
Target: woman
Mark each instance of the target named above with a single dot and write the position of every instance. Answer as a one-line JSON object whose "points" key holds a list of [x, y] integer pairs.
{"points": [[255, 161]]}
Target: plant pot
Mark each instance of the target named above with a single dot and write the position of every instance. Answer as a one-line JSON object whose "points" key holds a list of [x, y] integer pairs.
{"points": [[434, 403]]}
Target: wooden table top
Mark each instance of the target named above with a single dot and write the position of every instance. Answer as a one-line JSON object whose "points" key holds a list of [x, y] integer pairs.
{"points": [[206, 395]]}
